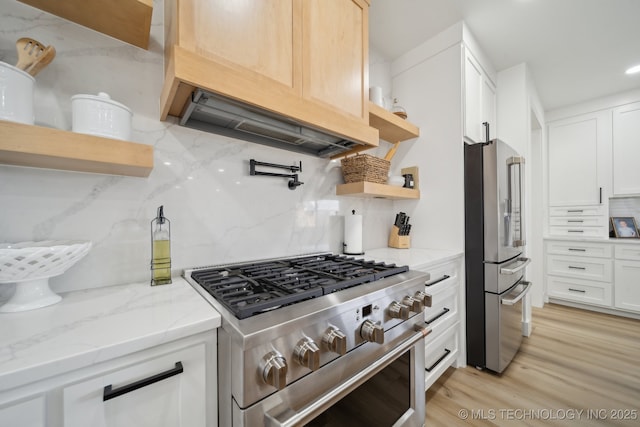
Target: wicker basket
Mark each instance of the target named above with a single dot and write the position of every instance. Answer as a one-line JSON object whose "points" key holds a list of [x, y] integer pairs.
{"points": [[364, 167]]}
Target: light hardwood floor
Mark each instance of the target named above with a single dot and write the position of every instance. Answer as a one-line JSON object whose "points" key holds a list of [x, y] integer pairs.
{"points": [[574, 360]]}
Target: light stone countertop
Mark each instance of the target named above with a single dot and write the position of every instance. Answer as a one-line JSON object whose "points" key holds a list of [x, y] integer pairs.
{"points": [[95, 325], [626, 241], [415, 258]]}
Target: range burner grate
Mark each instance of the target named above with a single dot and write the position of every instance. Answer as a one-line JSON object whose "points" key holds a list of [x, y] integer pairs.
{"points": [[253, 288]]}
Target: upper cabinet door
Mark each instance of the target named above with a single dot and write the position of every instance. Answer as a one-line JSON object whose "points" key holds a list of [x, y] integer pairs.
{"points": [[479, 101], [626, 150], [254, 37], [335, 54], [578, 153]]}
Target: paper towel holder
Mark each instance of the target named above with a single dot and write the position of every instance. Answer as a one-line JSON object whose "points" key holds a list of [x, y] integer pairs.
{"points": [[344, 244]]}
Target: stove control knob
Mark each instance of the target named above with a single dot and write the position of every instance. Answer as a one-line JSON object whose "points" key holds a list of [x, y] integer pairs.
{"points": [[274, 370], [398, 311], [335, 341], [424, 298], [372, 332], [307, 354], [415, 304]]}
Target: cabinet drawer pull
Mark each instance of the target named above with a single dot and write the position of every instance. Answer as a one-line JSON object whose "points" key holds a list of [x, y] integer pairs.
{"points": [[575, 220], [575, 210], [432, 367], [582, 291], [575, 231], [577, 250], [577, 268], [442, 313], [110, 393], [443, 278]]}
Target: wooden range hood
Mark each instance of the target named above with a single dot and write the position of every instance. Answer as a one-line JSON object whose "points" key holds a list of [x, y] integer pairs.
{"points": [[305, 61]]}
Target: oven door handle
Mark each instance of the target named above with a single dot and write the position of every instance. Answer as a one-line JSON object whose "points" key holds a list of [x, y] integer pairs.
{"points": [[306, 413]]}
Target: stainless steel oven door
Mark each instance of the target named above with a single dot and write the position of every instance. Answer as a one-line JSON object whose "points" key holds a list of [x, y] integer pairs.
{"points": [[373, 385]]}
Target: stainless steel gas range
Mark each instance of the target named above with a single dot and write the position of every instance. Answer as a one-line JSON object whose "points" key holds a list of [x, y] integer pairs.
{"points": [[318, 339]]}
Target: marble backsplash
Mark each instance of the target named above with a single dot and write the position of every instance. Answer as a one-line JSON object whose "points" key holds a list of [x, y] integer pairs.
{"points": [[218, 212]]}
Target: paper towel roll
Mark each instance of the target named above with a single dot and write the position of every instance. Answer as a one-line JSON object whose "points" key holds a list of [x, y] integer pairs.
{"points": [[353, 235]]}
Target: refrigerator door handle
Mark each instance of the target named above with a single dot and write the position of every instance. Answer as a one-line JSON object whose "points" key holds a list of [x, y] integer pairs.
{"points": [[521, 295], [523, 262], [512, 162]]}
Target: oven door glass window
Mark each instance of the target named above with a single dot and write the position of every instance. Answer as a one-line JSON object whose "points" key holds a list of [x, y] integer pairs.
{"points": [[380, 401]]}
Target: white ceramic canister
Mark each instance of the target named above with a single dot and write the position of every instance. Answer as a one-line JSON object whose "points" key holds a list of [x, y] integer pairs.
{"points": [[16, 94], [100, 115]]}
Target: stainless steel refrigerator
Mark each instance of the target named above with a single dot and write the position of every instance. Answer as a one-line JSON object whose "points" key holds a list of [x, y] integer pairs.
{"points": [[494, 244]]}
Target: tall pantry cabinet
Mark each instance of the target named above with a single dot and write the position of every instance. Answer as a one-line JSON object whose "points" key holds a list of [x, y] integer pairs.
{"points": [[578, 170]]}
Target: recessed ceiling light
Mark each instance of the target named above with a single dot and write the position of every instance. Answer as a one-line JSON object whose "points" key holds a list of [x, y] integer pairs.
{"points": [[633, 70]]}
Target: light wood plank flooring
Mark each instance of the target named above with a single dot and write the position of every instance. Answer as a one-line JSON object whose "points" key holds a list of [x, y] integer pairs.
{"points": [[574, 360]]}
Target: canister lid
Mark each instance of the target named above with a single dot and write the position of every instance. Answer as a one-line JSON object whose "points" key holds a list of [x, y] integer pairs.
{"points": [[101, 97]]}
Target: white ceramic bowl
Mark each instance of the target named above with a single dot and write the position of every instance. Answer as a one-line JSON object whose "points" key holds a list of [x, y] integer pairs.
{"points": [[100, 115], [16, 94], [31, 264]]}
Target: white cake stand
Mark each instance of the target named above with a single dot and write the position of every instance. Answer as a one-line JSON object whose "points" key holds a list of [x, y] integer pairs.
{"points": [[30, 265]]}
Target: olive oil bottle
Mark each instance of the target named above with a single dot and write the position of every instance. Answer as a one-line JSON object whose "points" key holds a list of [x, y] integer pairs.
{"points": [[160, 249]]}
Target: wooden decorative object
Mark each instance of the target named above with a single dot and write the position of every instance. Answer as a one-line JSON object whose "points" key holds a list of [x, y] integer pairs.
{"points": [[413, 170], [397, 241]]}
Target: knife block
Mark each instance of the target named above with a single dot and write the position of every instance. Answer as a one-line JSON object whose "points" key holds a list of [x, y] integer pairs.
{"points": [[397, 241]]}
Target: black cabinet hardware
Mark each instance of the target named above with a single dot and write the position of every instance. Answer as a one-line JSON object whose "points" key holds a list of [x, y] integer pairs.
{"points": [[110, 393], [576, 268], [577, 250], [432, 367], [578, 290], [433, 319], [445, 277]]}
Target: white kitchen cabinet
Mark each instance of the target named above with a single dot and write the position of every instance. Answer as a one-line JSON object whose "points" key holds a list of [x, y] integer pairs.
{"points": [[24, 413], [479, 101], [577, 160], [580, 272], [626, 150], [164, 391], [175, 397], [443, 317], [627, 277], [627, 285]]}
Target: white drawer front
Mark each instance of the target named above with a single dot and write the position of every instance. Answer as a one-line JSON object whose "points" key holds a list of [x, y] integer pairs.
{"points": [[580, 267], [442, 276], [576, 211], [441, 352], [598, 250], [574, 221], [578, 231], [444, 306], [630, 252], [582, 291]]}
